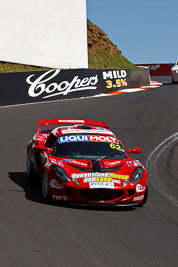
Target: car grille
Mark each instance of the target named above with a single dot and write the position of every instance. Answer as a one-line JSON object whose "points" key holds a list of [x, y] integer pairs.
{"points": [[105, 194]]}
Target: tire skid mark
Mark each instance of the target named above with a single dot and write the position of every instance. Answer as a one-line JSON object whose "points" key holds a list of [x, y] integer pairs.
{"points": [[169, 161], [151, 167]]}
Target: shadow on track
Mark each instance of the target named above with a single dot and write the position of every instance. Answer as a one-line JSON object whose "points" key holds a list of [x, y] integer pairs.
{"points": [[32, 189]]}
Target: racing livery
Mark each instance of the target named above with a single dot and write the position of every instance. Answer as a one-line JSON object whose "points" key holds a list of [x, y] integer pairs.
{"points": [[83, 162]]}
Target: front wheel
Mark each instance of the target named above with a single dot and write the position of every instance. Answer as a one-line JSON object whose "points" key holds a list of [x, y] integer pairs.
{"points": [[29, 170], [46, 187]]}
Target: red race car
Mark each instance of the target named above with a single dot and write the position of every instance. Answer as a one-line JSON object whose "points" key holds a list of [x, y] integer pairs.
{"points": [[83, 162]]}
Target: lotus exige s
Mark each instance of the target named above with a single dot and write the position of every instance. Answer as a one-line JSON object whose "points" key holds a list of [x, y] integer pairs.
{"points": [[83, 162]]}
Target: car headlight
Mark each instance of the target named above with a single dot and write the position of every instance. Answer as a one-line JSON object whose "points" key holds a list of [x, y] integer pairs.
{"points": [[75, 181], [137, 175], [61, 174]]}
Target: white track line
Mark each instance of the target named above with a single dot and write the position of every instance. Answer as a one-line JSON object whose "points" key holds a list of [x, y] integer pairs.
{"points": [[151, 167]]}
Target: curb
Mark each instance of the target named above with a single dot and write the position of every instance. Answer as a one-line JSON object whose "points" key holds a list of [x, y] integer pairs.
{"points": [[152, 85]]}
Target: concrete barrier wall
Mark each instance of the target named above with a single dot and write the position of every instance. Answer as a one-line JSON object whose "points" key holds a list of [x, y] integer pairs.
{"points": [[40, 86], [49, 33]]}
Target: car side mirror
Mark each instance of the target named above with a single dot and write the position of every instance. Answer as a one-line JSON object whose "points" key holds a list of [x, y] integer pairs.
{"points": [[128, 151], [135, 150]]}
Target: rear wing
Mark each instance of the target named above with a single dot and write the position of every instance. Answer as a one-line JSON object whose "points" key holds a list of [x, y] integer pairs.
{"points": [[71, 122]]}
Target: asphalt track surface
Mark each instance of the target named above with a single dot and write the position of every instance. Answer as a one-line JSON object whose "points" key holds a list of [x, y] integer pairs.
{"points": [[33, 233]]}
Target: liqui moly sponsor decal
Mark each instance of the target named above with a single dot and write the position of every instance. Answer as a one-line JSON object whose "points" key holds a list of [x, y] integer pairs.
{"points": [[38, 86], [86, 138]]}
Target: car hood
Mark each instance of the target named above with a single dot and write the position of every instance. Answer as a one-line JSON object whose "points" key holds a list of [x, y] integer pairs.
{"points": [[103, 173], [120, 166]]}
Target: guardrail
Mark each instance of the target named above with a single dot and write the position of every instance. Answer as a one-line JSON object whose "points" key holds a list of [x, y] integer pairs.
{"points": [[40, 86]]}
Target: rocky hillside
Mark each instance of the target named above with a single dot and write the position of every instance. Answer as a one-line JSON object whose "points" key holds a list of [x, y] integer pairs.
{"points": [[102, 53]]}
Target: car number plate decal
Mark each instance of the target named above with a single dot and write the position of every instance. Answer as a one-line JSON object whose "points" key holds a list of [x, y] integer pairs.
{"points": [[101, 185]]}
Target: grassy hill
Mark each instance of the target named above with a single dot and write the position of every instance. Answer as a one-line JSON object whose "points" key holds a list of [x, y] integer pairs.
{"points": [[102, 54]]}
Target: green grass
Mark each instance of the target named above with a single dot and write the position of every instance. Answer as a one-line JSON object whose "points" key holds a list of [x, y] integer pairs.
{"points": [[100, 59], [104, 54], [13, 67]]}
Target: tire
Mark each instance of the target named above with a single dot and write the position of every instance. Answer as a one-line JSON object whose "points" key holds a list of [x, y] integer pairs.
{"points": [[145, 196], [46, 187], [174, 81], [29, 170]]}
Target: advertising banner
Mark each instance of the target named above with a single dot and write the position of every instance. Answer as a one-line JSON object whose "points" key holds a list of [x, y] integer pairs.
{"points": [[158, 69], [40, 86]]}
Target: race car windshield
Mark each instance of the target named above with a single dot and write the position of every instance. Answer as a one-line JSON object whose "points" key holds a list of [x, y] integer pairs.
{"points": [[89, 150]]}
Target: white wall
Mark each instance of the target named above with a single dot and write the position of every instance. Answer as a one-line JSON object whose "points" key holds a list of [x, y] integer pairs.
{"points": [[50, 33]]}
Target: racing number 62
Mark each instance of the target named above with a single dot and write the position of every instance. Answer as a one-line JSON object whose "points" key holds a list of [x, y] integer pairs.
{"points": [[116, 146]]}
